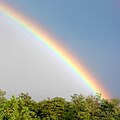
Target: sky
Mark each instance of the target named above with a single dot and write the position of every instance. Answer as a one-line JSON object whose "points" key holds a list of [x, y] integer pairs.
{"points": [[90, 29]]}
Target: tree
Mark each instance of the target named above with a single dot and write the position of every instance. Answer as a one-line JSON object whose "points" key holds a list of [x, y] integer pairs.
{"points": [[80, 107], [52, 108]]}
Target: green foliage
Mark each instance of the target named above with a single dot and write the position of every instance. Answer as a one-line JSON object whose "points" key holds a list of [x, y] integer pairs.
{"points": [[79, 108], [52, 108]]}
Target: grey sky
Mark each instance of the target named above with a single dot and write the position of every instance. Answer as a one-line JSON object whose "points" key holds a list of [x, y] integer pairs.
{"points": [[26, 66], [89, 28]]}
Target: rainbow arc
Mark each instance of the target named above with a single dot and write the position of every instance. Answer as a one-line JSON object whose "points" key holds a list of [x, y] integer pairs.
{"points": [[59, 50]]}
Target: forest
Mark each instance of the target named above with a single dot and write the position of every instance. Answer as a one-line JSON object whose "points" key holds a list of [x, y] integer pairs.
{"points": [[80, 107]]}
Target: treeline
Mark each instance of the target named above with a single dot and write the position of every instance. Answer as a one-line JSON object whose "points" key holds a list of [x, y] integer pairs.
{"points": [[80, 107]]}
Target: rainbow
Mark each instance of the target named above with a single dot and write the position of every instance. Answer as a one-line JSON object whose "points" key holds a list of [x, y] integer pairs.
{"points": [[57, 49]]}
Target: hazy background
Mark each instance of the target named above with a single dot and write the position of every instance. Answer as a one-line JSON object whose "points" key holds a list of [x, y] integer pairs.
{"points": [[89, 28]]}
